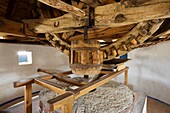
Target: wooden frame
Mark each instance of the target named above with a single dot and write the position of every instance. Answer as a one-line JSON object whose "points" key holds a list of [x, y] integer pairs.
{"points": [[65, 100]]}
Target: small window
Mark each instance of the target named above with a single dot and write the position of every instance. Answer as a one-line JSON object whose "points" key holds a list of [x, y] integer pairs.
{"points": [[24, 58]]}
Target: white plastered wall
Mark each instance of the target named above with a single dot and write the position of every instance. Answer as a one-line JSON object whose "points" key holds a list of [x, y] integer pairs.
{"points": [[149, 71], [10, 71]]}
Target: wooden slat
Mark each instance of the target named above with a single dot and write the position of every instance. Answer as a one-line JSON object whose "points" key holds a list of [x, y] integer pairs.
{"points": [[58, 4], [50, 85], [28, 98], [121, 14]]}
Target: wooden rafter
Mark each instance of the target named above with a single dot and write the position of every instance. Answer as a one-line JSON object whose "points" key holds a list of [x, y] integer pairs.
{"points": [[128, 13], [104, 34], [64, 23], [58, 4], [117, 15]]}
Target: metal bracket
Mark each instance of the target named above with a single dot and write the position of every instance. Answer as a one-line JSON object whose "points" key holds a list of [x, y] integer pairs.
{"points": [[89, 21]]}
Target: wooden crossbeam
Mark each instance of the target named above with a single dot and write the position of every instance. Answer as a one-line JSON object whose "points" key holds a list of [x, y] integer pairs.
{"points": [[10, 27], [116, 14], [50, 85], [103, 33], [111, 15], [30, 81], [58, 4], [65, 23]]}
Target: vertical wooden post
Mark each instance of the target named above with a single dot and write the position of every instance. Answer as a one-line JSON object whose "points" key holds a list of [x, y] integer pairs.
{"points": [[69, 107], [28, 98], [126, 78]]}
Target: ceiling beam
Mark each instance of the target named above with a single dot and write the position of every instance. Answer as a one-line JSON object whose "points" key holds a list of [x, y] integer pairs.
{"points": [[103, 34], [63, 23], [58, 4], [116, 14]]}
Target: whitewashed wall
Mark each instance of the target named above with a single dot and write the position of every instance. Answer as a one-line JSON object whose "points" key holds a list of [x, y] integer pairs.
{"points": [[150, 71], [10, 71]]}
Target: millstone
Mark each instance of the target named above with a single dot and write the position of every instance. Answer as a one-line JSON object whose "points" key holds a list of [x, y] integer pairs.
{"points": [[110, 98]]}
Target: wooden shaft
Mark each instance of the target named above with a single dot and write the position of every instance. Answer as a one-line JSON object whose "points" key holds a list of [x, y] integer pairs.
{"points": [[28, 98], [126, 78]]}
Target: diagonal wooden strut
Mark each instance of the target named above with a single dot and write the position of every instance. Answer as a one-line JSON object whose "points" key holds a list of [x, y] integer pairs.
{"points": [[58, 4]]}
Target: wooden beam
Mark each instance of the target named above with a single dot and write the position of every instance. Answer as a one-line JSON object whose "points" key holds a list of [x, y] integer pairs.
{"points": [[116, 14], [60, 101], [92, 3], [58, 4], [60, 24], [28, 98], [50, 85], [10, 27], [29, 81], [104, 33]]}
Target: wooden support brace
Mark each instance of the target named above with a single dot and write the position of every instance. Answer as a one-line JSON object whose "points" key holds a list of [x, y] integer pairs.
{"points": [[58, 4]]}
